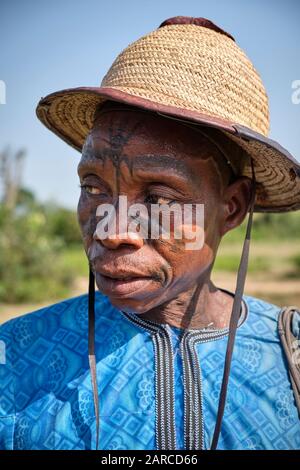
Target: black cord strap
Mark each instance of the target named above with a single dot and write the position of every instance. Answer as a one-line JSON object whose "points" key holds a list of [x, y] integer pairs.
{"points": [[91, 348], [240, 284]]}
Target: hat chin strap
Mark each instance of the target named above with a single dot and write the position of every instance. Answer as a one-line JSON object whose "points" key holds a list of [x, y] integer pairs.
{"points": [[235, 314], [91, 349], [234, 318]]}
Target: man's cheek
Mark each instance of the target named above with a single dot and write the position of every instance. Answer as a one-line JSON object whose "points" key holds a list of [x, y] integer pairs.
{"points": [[82, 212], [165, 246], [193, 236], [186, 238], [87, 220]]}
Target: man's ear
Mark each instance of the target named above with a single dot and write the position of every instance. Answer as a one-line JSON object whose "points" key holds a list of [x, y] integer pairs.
{"points": [[236, 203]]}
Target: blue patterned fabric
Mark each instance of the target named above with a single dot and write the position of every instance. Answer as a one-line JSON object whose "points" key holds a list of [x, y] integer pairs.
{"points": [[46, 400]]}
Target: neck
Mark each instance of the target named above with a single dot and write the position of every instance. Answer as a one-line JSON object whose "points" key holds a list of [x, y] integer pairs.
{"points": [[202, 306]]}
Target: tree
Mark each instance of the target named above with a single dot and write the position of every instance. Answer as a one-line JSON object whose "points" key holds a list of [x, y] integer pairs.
{"points": [[31, 262], [11, 169]]}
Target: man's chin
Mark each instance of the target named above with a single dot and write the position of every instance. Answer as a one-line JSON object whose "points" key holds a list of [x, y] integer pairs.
{"points": [[131, 305]]}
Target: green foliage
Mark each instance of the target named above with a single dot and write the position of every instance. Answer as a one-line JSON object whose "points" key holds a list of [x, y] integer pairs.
{"points": [[31, 262], [279, 227], [75, 260], [294, 273], [33, 239], [62, 223], [230, 263], [296, 262]]}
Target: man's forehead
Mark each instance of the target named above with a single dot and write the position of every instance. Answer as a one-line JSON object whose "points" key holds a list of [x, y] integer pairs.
{"points": [[145, 142], [118, 124], [118, 130], [138, 156], [189, 139]]}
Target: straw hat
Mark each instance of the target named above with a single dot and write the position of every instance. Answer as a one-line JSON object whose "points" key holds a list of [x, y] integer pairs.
{"points": [[191, 69]]}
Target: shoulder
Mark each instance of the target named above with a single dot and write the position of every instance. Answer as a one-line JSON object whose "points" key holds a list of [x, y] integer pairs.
{"points": [[268, 309], [23, 329], [21, 333], [71, 312], [46, 346], [64, 323], [262, 316], [44, 312], [260, 306]]}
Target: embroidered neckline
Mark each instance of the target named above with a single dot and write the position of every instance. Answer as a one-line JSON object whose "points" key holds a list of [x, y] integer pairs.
{"points": [[161, 334], [244, 313]]}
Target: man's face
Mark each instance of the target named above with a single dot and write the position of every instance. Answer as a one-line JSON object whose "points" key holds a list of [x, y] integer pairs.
{"points": [[150, 159]]}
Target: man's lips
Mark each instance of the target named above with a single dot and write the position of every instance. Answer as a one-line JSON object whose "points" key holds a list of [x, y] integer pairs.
{"points": [[121, 275], [122, 284], [117, 277]]}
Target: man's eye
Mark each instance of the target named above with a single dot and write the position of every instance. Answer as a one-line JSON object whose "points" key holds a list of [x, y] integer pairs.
{"points": [[91, 189], [156, 199]]}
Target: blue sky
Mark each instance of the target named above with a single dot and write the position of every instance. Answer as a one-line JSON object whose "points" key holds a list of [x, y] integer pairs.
{"points": [[47, 46]]}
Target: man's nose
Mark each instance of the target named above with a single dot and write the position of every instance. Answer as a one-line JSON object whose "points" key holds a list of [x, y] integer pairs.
{"points": [[119, 224], [116, 240]]}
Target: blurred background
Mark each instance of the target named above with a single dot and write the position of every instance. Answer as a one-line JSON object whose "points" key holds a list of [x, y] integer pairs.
{"points": [[47, 46]]}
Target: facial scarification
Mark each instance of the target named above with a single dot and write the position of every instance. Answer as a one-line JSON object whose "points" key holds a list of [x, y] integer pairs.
{"points": [[143, 156], [119, 135]]}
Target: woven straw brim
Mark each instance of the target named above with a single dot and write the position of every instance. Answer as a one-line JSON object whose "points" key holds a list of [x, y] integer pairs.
{"points": [[70, 115]]}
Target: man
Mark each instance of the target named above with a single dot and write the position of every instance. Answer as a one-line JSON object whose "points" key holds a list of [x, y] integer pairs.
{"points": [[180, 120]]}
